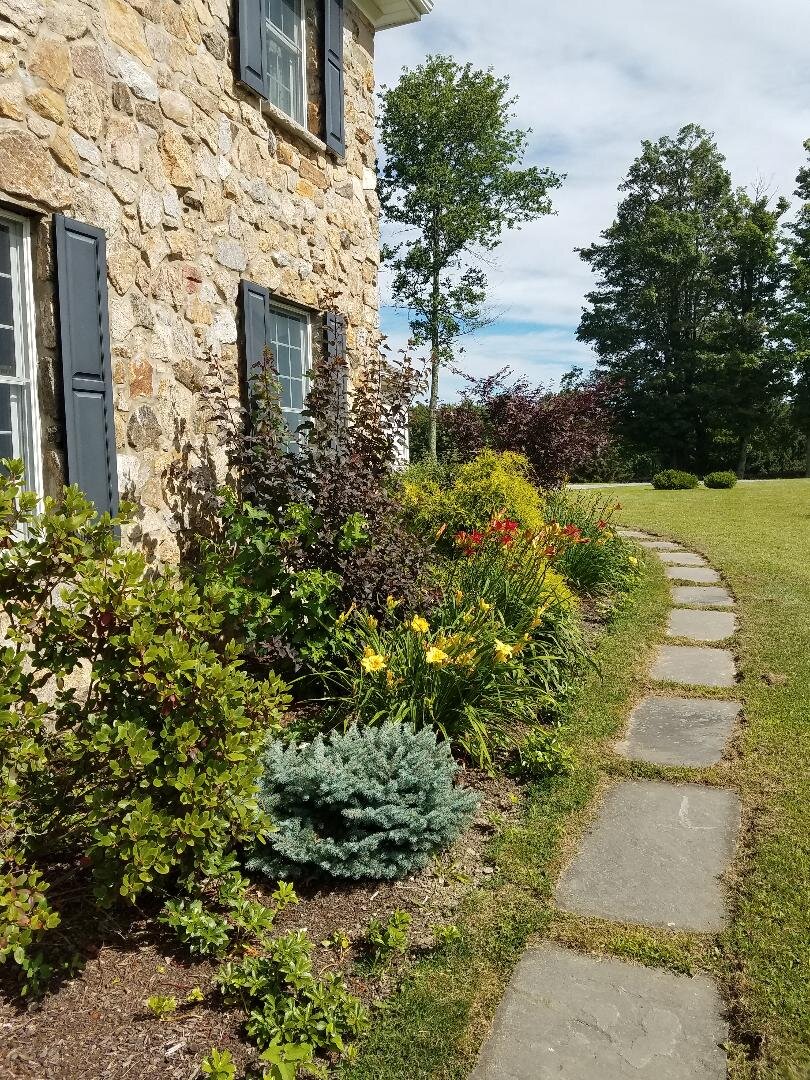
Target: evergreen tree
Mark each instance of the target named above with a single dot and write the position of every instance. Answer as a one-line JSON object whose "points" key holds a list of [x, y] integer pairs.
{"points": [[798, 317], [452, 176], [650, 317]]}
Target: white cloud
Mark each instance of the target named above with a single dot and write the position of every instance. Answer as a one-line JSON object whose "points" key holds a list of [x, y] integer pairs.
{"points": [[593, 80]]}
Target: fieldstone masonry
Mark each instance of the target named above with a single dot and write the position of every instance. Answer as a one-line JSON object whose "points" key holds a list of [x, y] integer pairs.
{"points": [[127, 114]]}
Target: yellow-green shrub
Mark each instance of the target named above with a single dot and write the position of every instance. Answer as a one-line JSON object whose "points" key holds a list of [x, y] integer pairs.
{"points": [[470, 496]]}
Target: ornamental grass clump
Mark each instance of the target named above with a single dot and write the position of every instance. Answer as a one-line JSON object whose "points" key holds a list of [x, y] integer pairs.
{"points": [[365, 803], [597, 559], [495, 653]]}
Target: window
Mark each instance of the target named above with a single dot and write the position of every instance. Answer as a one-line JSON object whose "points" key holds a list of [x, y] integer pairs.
{"points": [[286, 66], [289, 341], [19, 417]]}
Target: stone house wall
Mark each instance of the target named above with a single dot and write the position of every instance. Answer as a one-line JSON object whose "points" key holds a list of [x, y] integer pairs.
{"points": [[127, 114]]}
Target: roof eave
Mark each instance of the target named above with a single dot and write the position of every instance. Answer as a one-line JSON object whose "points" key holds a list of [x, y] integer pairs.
{"points": [[385, 14]]}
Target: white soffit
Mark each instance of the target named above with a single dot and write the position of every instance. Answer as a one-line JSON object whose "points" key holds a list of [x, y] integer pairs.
{"points": [[383, 14]]}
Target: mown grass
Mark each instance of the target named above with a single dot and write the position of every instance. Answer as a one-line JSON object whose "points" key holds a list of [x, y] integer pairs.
{"points": [[435, 1025], [758, 535]]}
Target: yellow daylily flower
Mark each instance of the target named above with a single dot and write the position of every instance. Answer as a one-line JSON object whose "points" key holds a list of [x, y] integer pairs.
{"points": [[632, 560], [503, 651], [458, 596], [436, 656], [419, 625], [372, 662], [391, 603], [484, 605]]}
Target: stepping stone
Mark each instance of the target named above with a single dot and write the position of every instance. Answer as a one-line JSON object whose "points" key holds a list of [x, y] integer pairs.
{"points": [[566, 1016], [633, 533], [654, 857], [702, 597], [679, 731], [694, 665], [661, 545], [681, 558], [701, 625], [698, 574]]}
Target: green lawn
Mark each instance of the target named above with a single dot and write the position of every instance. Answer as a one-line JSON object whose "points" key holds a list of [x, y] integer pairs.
{"points": [[758, 535]]}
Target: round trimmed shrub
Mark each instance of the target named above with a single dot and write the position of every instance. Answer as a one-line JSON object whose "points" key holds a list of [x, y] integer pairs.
{"points": [[674, 480], [722, 479], [365, 803]]}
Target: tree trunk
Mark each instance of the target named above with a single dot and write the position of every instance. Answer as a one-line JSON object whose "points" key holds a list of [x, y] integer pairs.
{"points": [[433, 407], [742, 459], [807, 459]]}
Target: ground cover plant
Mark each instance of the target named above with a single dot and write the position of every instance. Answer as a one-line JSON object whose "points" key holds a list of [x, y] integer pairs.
{"points": [[367, 803]]}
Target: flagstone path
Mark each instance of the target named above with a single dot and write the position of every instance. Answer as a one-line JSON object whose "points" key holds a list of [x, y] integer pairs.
{"points": [[655, 856]]}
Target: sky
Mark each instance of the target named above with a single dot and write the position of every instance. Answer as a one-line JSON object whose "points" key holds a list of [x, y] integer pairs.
{"points": [[593, 78]]}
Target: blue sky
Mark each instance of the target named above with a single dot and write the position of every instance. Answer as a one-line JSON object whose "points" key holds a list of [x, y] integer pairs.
{"points": [[593, 79]]}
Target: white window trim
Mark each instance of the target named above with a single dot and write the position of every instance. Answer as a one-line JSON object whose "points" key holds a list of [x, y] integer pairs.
{"points": [[300, 121], [25, 313], [299, 313]]}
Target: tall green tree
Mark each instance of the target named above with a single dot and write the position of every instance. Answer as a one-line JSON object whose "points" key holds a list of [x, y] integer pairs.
{"points": [[749, 354], [452, 176], [798, 302], [651, 316]]}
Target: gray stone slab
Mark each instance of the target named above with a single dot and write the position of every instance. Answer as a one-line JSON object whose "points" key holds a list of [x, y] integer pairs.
{"points": [[702, 596], [566, 1016], [654, 857], [679, 731], [694, 665], [699, 575], [701, 625], [634, 534], [661, 545], [681, 558]]}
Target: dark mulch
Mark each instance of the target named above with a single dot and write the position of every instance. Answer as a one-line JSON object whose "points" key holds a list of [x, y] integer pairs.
{"points": [[95, 1026]]}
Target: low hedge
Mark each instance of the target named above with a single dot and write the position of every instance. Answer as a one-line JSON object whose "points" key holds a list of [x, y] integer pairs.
{"points": [[722, 479], [674, 480]]}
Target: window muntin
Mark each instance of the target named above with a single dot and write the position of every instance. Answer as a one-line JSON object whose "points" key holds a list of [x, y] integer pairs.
{"points": [[286, 62], [19, 416], [290, 345]]}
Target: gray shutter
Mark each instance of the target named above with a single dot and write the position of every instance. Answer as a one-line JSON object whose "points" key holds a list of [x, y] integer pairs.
{"points": [[255, 323], [85, 343], [336, 365], [253, 46], [333, 76]]}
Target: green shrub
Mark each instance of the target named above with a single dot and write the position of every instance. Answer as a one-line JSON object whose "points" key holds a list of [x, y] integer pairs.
{"points": [[385, 940], [218, 1065], [291, 1013], [597, 558], [479, 668], [467, 498], [674, 480], [129, 736], [720, 479], [367, 803]]}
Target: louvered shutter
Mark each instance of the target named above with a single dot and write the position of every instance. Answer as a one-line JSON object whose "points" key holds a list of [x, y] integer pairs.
{"points": [[85, 345], [253, 46], [333, 76], [335, 342], [255, 321]]}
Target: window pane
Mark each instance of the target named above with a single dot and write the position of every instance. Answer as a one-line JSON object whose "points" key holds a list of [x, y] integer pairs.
{"points": [[285, 59], [7, 360], [6, 425], [290, 342]]}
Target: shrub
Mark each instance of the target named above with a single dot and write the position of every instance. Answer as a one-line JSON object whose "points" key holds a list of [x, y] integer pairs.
{"points": [[386, 940], [720, 479], [291, 1013], [674, 480], [128, 739], [597, 557], [367, 803], [477, 669], [470, 496]]}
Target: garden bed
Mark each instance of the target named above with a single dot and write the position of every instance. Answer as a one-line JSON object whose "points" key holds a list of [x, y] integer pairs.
{"points": [[97, 1026]]}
